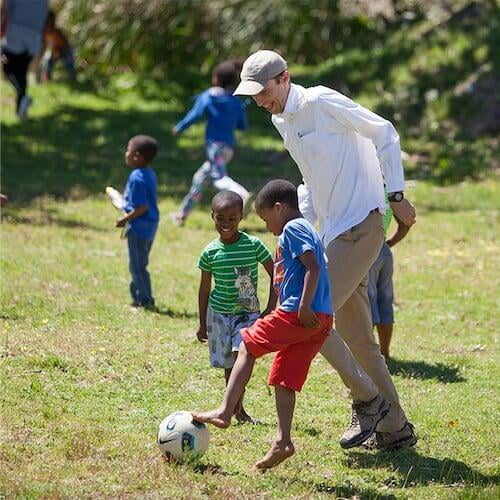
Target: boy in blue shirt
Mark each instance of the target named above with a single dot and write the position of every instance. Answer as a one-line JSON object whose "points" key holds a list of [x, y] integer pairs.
{"points": [[223, 113], [296, 330], [141, 216]]}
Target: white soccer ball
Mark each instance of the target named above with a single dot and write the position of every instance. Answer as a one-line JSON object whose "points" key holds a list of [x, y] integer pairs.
{"points": [[179, 435]]}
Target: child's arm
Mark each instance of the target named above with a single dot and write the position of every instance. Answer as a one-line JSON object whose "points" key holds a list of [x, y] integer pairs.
{"points": [[136, 212], [311, 278], [273, 298], [242, 119], [400, 233], [203, 294], [192, 116]]}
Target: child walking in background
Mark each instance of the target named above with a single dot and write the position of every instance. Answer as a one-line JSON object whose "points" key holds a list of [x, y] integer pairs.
{"points": [[141, 216], [380, 285], [57, 49], [232, 260], [296, 330], [223, 113]]}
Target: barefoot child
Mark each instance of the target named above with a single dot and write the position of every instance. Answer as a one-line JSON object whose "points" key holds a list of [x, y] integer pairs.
{"points": [[232, 259], [296, 330], [141, 216], [223, 113]]}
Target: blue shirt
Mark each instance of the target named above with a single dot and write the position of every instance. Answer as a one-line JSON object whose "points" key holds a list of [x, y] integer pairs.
{"points": [[223, 113], [298, 237], [141, 190]]}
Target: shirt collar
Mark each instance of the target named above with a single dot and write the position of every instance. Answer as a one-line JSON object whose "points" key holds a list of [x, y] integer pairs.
{"points": [[294, 101]]}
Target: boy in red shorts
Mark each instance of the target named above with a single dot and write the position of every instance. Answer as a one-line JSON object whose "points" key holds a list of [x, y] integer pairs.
{"points": [[296, 330]]}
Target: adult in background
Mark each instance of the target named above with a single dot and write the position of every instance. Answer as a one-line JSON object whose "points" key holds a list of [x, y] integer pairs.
{"points": [[345, 153], [23, 22]]}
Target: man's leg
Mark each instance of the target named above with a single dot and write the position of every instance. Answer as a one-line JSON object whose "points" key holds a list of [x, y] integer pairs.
{"points": [[240, 375], [282, 447], [350, 257]]}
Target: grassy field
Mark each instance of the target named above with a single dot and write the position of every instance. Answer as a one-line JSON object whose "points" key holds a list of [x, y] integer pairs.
{"points": [[85, 381]]}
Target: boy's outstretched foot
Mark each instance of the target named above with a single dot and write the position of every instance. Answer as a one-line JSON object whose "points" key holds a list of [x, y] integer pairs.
{"points": [[277, 454], [214, 417]]}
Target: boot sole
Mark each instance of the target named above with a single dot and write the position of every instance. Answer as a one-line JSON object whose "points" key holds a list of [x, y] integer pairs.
{"points": [[383, 411]]}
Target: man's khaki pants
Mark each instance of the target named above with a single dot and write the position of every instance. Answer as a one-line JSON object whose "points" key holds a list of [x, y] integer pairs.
{"points": [[350, 256]]}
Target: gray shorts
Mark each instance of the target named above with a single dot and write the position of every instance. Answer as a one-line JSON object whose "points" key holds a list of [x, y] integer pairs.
{"points": [[224, 338]]}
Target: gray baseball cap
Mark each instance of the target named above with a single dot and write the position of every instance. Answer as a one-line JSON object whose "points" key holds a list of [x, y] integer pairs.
{"points": [[257, 70]]}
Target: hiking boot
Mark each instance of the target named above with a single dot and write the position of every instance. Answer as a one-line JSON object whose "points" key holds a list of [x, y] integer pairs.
{"points": [[365, 417], [404, 438]]}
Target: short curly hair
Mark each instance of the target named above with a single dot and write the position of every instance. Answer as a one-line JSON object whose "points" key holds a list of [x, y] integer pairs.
{"points": [[146, 145], [277, 191]]}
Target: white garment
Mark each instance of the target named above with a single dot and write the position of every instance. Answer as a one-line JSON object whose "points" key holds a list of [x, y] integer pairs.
{"points": [[342, 149]]}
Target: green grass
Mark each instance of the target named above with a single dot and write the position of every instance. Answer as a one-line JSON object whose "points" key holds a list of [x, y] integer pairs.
{"points": [[85, 381]]}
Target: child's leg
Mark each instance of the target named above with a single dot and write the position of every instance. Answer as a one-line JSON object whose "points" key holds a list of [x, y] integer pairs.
{"points": [[240, 375], [226, 183], [239, 411], [138, 249], [68, 60], [282, 447], [384, 338], [201, 179], [238, 322], [219, 155], [385, 299]]}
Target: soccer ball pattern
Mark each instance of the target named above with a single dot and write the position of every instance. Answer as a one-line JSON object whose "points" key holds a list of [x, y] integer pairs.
{"points": [[180, 435]]}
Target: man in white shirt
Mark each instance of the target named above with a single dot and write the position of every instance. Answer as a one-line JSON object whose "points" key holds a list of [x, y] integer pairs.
{"points": [[345, 153]]}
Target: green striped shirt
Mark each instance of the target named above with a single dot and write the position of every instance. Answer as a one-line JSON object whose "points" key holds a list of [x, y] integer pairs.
{"points": [[234, 268]]}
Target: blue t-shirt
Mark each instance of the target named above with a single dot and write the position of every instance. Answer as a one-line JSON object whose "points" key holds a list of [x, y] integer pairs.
{"points": [[141, 190], [223, 113], [298, 237]]}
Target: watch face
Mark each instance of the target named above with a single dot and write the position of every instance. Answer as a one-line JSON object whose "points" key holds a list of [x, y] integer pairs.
{"points": [[398, 196]]}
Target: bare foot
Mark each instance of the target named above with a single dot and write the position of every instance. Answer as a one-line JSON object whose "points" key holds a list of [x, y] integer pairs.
{"points": [[214, 417], [277, 454]]}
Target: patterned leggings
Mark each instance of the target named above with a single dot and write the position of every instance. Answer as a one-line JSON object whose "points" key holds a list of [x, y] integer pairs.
{"points": [[213, 170]]}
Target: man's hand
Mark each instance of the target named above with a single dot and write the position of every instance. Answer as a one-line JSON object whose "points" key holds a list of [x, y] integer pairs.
{"points": [[308, 318], [174, 131], [202, 334], [404, 211], [120, 222]]}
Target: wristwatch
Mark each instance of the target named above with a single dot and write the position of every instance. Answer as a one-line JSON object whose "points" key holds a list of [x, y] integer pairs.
{"points": [[397, 196]]}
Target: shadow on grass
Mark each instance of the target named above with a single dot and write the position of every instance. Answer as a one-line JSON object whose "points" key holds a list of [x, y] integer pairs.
{"points": [[424, 371], [173, 313], [46, 217], [415, 469], [78, 149]]}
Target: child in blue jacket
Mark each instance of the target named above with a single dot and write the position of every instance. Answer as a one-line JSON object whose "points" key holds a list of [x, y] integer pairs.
{"points": [[223, 113]]}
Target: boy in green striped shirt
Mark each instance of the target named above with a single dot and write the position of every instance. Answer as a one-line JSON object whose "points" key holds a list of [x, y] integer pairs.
{"points": [[232, 260]]}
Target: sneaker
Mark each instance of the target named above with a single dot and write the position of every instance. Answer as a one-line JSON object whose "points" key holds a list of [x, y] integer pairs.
{"points": [[365, 417], [151, 307], [404, 438], [247, 203], [24, 104], [177, 219]]}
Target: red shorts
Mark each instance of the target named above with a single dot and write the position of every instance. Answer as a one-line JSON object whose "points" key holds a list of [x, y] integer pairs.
{"points": [[296, 345]]}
